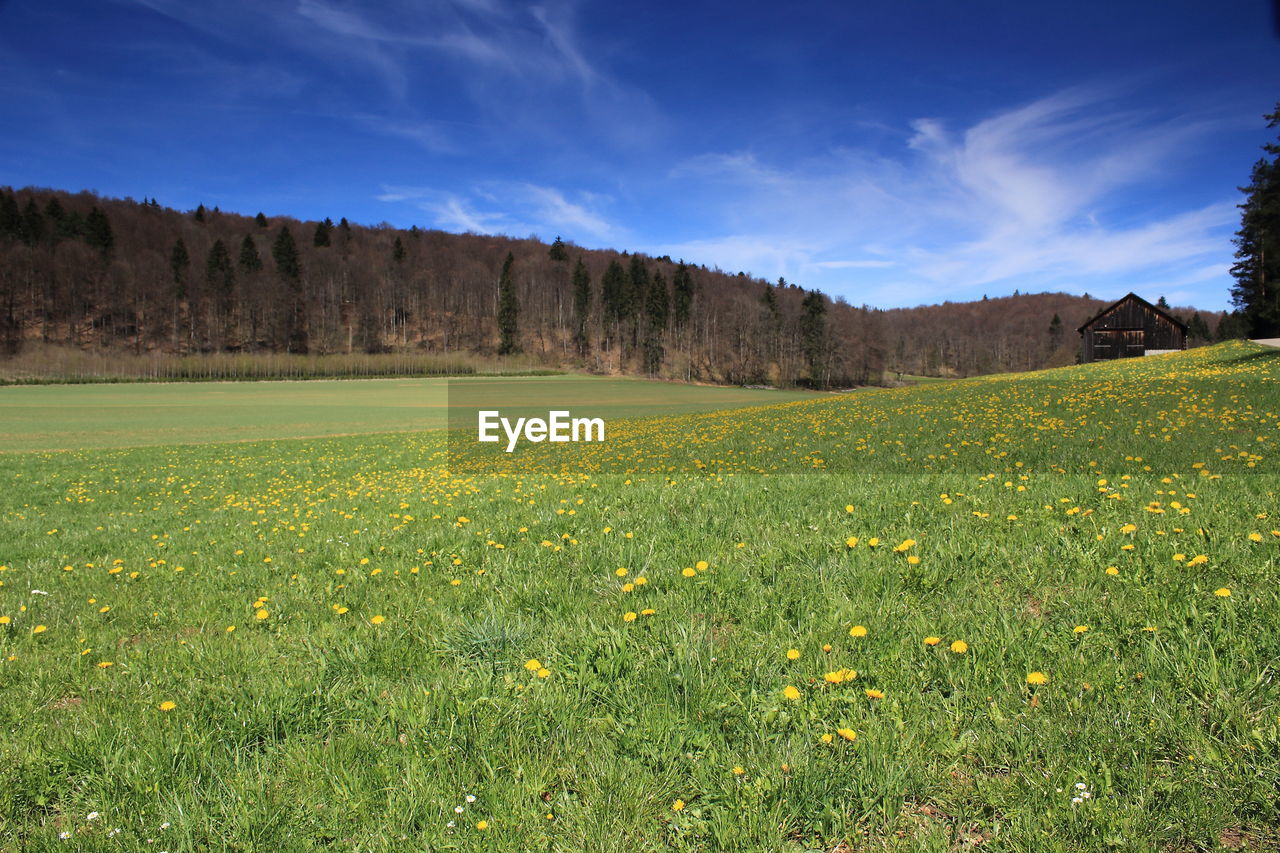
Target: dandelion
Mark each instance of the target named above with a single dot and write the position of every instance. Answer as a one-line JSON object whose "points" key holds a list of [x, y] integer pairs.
{"points": [[677, 806], [847, 734], [701, 565], [168, 705], [620, 572], [648, 611], [793, 654], [629, 616], [4, 620], [533, 664], [1112, 570], [932, 641], [378, 620], [262, 613], [874, 694], [543, 673], [858, 631], [1079, 629], [851, 542], [688, 572], [1222, 592], [826, 738], [959, 647], [790, 692], [482, 825], [738, 771], [1037, 678], [39, 629]]}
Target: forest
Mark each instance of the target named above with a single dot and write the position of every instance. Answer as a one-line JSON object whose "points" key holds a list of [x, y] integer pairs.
{"points": [[94, 274]]}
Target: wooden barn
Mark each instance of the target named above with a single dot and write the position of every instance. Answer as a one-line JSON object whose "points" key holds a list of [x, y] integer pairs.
{"points": [[1131, 327]]}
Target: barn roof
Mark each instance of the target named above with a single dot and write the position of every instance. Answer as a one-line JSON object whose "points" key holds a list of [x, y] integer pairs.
{"points": [[1144, 303]]}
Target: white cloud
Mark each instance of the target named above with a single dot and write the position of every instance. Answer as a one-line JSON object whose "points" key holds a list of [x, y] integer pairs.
{"points": [[1052, 194]]}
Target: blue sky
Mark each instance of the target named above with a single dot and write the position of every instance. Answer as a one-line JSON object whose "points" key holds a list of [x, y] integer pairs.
{"points": [[893, 153]]}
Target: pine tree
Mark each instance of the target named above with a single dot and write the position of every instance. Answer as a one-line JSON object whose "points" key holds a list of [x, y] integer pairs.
{"points": [[10, 217], [218, 270], [508, 311], [1197, 328], [323, 229], [54, 210], [250, 261], [813, 335], [261, 220], [557, 251], [581, 305], [1055, 332], [179, 261], [97, 230], [285, 253], [32, 223], [397, 251], [657, 309], [683, 288], [200, 213], [1162, 304], [1256, 291], [612, 291]]}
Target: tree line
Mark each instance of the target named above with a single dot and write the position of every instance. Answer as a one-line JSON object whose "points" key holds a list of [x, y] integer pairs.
{"points": [[84, 271]]}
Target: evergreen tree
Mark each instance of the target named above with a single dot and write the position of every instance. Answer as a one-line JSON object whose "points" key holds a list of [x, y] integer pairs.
{"points": [[1232, 326], [1055, 332], [813, 335], [557, 251], [323, 229], [397, 251], [97, 230], [285, 253], [1197, 328], [10, 217], [581, 304], [32, 223], [508, 311], [218, 269], [200, 213], [71, 226], [250, 260], [657, 308], [613, 291], [637, 287], [179, 261], [1256, 291], [1162, 304], [54, 210], [345, 228], [682, 285], [261, 220]]}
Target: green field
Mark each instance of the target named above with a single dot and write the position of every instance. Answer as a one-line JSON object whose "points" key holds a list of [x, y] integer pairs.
{"points": [[70, 417], [929, 618]]}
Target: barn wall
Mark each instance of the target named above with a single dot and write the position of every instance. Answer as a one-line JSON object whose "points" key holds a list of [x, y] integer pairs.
{"points": [[1158, 333]]}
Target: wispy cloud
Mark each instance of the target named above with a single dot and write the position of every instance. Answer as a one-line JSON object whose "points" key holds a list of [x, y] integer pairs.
{"points": [[1048, 194], [515, 209]]}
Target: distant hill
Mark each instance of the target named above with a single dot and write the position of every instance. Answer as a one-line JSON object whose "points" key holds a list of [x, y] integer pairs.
{"points": [[118, 275]]}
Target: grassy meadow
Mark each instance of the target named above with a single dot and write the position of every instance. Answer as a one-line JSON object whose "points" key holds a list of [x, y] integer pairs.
{"points": [[1034, 612]]}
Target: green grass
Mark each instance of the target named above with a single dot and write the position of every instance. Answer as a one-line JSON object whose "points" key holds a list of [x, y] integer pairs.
{"points": [[322, 726], [66, 417]]}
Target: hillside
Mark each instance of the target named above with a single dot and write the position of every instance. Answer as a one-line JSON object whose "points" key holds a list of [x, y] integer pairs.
{"points": [[110, 275]]}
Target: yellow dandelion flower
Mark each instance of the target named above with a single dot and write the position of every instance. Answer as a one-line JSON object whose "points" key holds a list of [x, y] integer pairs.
{"points": [[932, 641], [533, 664], [1222, 592], [168, 705], [378, 620], [629, 616], [858, 631], [688, 572], [263, 613], [482, 825], [620, 572], [105, 664], [1037, 678], [1112, 570], [677, 806], [959, 647], [1197, 560], [790, 692], [4, 620], [874, 694], [851, 542], [738, 771], [826, 738], [230, 628], [847, 734], [793, 654], [648, 611], [826, 647], [39, 629], [913, 560], [701, 565], [1079, 629], [543, 673]]}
